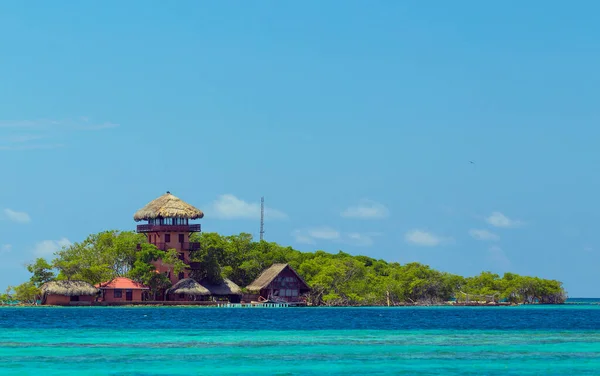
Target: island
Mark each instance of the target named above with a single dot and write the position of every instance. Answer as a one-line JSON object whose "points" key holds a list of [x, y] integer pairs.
{"points": [[168, 260]]}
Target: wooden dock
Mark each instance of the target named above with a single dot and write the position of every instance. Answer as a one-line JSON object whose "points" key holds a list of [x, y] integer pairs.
{"points": [[253, 305], [197, 303]]}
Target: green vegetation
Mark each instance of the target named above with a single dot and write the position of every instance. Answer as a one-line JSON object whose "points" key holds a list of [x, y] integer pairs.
{"points": [[7, 297], [335, 279]]}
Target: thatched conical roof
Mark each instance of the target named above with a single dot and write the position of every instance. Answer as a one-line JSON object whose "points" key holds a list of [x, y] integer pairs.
{"points": [[188, 286], [68, 288], [225, 287], [168, 206]]}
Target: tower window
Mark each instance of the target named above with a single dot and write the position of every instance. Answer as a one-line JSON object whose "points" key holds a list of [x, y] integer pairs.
{"points": [[180, 221]]}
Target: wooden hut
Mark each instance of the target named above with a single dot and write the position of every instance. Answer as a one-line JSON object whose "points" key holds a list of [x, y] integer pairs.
{"points": [[224, 290], [122, 289], [280, 282], [187, 289], [68, 293], [169, 227]]}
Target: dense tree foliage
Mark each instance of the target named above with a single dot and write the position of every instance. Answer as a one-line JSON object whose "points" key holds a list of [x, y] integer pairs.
{"points": [[335, 279], [100, 257], [144, 272], [343, 279], [7, 297], [27, 292], [512, 288], [41, 272]]}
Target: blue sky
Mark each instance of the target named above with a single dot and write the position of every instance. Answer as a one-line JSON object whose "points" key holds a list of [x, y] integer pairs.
{"points": [[355, 120]]}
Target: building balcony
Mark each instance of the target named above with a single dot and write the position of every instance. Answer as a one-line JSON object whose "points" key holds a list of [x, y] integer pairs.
{"points": [[191, 246], [168, 228]]}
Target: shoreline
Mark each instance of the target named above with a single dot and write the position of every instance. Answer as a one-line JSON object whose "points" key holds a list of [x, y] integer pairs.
{"points": [[249, 305]]}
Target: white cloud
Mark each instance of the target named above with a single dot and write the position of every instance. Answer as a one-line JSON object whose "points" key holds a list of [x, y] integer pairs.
{"points": [[302, 237], [83, 123], [97, 127], [360, 239], [25, 123], [497, 257], [228, 206], [48, 247], [308, 236], [5, 248], [325, 233], [366, 209], [15, 216], [424, 238], [483, 235], [498, 219], [31, 147], [40, 129], [21, 138]]}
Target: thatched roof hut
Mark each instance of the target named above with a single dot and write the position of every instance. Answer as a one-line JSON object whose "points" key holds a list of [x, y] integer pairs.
{"points": [[226, 287], [68, 288], [188, 286], [268, 275], [167, 206]]}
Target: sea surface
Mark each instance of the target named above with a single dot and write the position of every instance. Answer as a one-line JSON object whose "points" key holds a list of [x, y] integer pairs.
{"points": [[523, 340]]}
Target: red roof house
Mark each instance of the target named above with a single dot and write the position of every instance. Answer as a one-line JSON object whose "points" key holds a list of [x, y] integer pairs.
{"points": [[121, 289]]}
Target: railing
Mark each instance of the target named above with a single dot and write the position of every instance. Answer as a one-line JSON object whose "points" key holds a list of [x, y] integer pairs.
{"points": [[191, 246], [168, 228]]}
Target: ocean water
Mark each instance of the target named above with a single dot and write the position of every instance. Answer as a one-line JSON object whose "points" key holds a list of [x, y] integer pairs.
{"points": [[534, 340]]}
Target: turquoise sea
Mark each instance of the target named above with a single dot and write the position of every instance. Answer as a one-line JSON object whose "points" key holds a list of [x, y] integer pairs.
{"points": [[524, 340]]}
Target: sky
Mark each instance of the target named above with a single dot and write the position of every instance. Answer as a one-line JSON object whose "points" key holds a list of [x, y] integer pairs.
{"points": [[357, 121]]}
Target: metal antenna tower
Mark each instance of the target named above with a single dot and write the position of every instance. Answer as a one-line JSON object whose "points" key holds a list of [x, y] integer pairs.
{"points": [[262, 218]]}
